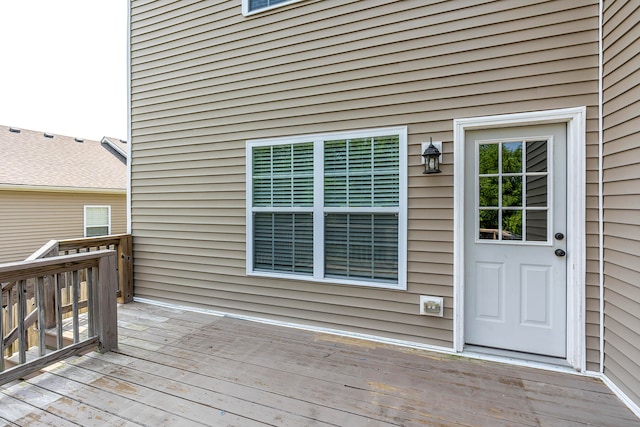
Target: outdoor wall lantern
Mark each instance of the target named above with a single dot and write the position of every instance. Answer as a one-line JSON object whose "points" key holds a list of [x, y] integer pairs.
{"points": [[431, 158]]}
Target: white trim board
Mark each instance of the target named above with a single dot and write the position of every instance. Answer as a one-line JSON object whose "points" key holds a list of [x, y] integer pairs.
{"points": [[51, 189], [575, 119], [129, 133], [621, 394]]}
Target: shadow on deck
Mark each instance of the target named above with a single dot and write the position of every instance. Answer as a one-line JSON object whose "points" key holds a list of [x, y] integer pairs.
{"points": [[179, 368]]}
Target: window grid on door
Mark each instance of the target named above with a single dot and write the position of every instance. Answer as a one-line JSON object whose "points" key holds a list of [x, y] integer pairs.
{"points": [[513, 183]]}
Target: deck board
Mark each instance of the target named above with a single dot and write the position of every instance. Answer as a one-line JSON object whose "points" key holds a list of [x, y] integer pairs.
{"points": [[175, 368]]}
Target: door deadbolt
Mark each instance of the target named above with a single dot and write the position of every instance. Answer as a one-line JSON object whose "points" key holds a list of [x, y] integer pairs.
{"points": [[559, 236], [560, 252]]}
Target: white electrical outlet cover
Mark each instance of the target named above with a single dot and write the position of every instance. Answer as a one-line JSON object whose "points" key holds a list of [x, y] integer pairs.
{"points": [[431, 299]]}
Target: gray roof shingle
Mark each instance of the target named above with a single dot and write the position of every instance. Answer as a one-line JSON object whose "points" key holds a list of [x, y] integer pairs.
{"points": [[32, 158]]}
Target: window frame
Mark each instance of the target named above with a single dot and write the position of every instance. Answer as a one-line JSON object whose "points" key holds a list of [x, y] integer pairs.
{"points": [[549, 174], [108, 225], [319, 209], [247, 12]]}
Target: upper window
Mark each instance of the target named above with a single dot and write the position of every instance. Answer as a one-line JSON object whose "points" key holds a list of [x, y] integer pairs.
{"points": [[329, 207], [253, 6], [97, 221]]}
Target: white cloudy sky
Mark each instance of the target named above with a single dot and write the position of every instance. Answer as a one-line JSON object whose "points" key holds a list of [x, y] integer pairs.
{"points": [[63, 66]]}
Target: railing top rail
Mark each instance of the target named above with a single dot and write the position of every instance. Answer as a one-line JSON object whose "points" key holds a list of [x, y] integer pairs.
{"points": [[90, 242], [45, 266], [47, 249]]}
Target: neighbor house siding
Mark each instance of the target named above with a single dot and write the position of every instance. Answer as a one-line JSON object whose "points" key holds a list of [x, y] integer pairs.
{"points": [[205, 79], [621, 195], [29, 219]]}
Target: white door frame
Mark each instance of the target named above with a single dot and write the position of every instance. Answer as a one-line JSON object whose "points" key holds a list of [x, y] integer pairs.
{"points": [[575, 119]]}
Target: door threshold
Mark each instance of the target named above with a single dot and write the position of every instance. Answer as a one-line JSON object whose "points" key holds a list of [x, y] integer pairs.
{"points": [[518, 358]]}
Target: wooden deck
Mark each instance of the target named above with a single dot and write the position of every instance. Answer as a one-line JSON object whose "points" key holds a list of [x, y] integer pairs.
{"points": [[177, 368]]}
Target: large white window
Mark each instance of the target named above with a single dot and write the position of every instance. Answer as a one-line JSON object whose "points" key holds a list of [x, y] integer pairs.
{"points": [[329, 207], [252, 6], [97, 221]]}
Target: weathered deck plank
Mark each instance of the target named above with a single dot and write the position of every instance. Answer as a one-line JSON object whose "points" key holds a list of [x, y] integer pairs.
{"points": [[21, 413], [184, 368], [143, 405], [476, 380], [53, 403]]}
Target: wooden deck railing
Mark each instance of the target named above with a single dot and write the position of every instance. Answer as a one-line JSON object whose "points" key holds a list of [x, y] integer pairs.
{"points": [[121, 243], [29, 286]]}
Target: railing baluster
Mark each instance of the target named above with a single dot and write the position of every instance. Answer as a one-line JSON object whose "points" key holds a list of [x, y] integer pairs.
{"points": [[74, 303], [41, 310], [67, 287], [10, 310], [91, 310], [22, 338], [59, 340]]}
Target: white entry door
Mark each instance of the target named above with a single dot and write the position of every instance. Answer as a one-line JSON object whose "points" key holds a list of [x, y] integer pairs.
{"points": [[515, 224]]}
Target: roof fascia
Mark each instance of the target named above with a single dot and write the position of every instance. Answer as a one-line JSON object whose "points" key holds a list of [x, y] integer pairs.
{"points": [[110, 143], [18, 187]]}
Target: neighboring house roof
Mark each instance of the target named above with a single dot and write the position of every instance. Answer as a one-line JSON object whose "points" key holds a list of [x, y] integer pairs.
{"points": [[40, 159]]}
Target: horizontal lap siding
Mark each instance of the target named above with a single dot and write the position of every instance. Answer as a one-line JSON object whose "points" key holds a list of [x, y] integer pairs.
{"points": [[29, 219], [621, 176], [205, 79]]}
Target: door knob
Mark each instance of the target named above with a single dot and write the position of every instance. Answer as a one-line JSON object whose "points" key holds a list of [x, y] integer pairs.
{"points": [[559, 236], [560, 252]]}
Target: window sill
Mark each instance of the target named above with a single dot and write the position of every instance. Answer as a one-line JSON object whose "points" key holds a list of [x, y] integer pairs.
{"points": [[247, 12], [329, 280]]}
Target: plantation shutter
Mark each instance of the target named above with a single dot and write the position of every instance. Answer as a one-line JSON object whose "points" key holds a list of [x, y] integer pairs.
{"points": [[282, 179], [283, 175], [362, 173], [283, 242]]}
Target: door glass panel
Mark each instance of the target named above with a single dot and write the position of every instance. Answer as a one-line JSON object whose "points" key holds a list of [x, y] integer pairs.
{"points": [[511, 225], [488, 158], [537, 225], [537, 156], [489, 191], [488, 224], [537, 191], [512, 191], [511, 157]]}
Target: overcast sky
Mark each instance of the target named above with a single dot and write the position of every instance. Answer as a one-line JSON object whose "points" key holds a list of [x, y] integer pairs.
{"points": [[63, 66]]}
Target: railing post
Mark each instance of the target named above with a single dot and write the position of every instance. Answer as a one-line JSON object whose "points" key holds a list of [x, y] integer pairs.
{"points": [[125, 269], [107, 316], [49, 302]]}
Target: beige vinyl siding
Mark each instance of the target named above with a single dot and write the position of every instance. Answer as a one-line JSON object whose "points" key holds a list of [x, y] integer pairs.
{"points": [[29, 219], [621, 194], [205, 79]]}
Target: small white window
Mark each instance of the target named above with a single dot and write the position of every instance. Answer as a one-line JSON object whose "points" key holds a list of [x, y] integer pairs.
{"points": [[97, 221], [252, 6], [329, 208]]}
